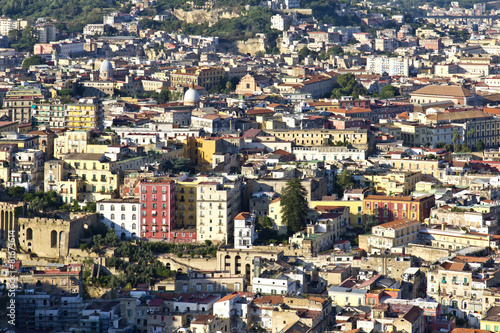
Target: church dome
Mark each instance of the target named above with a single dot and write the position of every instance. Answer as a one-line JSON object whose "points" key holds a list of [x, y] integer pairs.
{"points": [[106, 66], [191, 95]]}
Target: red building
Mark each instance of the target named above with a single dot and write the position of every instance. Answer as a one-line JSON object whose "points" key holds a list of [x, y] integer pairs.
{"points": [[157, 208], [184, 235], [431, 44]]}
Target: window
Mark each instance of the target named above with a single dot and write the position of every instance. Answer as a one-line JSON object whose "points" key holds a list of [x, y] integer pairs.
{"points": [[123, 208], [112, 216], [112, 207]]}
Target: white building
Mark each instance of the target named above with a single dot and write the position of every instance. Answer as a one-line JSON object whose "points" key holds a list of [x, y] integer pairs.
{"points": [[384, 45], [46, 33], [278, 22], [244, 231], [328, 153], [275, 285], [392, 66], [122, 215], [218, 203], [234, 306]]}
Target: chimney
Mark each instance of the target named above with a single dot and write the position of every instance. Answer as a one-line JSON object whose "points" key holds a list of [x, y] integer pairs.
{"points": [[443, 226]]}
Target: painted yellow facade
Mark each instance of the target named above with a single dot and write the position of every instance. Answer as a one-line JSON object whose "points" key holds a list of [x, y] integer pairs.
{"points": [[201, 150], [355, 209], [84, 116], [186, 204]]}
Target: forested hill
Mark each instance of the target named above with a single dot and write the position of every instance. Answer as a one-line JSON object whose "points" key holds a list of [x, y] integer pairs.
{"points": [[71, 15]]}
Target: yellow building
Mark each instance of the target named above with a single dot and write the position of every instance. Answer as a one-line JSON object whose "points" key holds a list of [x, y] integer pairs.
{"points": [[186, 203], [201, 150], [206, 77], [275, 216], [430, 169], [392, 183], [355, 209], [82, 176], [84, 116], [82, 141], [491, 321]]}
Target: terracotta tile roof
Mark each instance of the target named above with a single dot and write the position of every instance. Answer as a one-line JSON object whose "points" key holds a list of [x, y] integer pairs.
{"points": [[398, 224], [441, 90]]}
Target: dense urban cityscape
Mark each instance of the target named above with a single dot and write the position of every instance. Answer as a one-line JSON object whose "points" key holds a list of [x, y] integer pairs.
{"points": [[280, 166]]}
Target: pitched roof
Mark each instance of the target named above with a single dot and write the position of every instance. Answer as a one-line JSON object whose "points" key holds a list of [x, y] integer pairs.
{"points": [[441, 90], [242, 216], [398, 224], [412, 315]]}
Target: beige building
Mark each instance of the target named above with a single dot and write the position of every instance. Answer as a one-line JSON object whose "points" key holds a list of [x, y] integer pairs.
{"points": [[205, 323], [248, 85], [218, 204], [358, 138], [207, 77], [209, 282], [82, 141], [441, 93], [392, 183], [82, 177], [53, 238], [388, 235]]}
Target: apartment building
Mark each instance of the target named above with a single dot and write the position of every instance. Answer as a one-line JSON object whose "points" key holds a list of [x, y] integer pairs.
{"points": [[360, 139], [391, 183], [49, 114], [218, 204], [244, 230], [18, 101], [186, 192], [386, 236], [386, 208], [328, 153], [84, 116], [82, 177], [399, 66], [157, 199], [121, 215], [83, 141], [209, 282], [205, 77]]}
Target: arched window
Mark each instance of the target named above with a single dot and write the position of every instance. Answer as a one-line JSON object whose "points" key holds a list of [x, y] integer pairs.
{"points": [[101, 207], [29, 234], [123, 208], [134, 226], [53, 238], [123, 225], [134, 208], [134, 217], [112, 216], [112, 207], [123, 216]]}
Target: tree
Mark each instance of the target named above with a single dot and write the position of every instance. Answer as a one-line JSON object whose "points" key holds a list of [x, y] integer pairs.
{"points": [[455, 139], [348, 86], [33, 60], [344, 180], [388, 92], [163, 96], [480, 145], [294, 205], [16, 192], [180, 164]]}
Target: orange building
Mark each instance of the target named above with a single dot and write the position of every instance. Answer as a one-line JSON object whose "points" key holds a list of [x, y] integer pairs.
{"points": [[388, 208]]}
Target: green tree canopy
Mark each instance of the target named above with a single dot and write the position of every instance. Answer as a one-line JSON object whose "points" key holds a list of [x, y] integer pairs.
{"points": [[294, 205], [33, 60], [347, 86], [388, 92], [344, 181]]}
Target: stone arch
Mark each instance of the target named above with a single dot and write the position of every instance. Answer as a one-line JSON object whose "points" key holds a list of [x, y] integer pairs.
{"points": [[227, 262], [237, 264], [11, 220], [123, 236], [3, 226], [29, 234], [53, 238], [248, 271]]}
